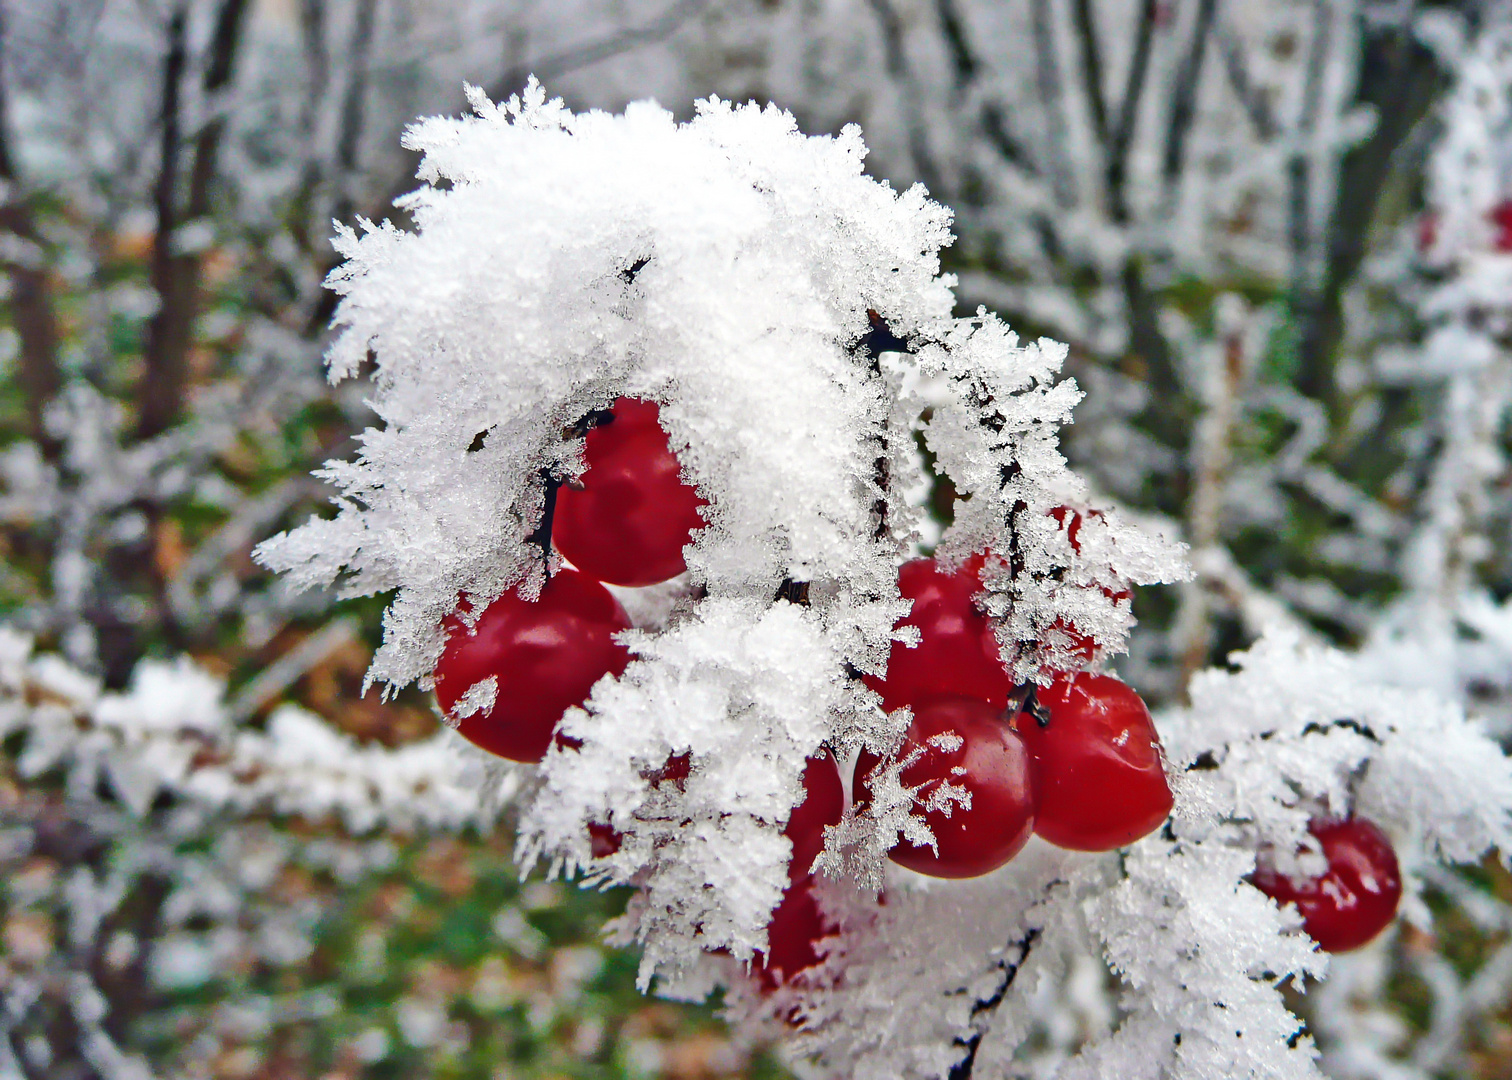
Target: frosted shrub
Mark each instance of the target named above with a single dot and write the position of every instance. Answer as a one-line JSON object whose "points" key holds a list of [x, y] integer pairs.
{"points": [[787, 315]]}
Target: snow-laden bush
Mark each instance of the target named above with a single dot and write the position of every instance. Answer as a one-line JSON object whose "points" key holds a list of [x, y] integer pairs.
{"points": [[787, 314]]}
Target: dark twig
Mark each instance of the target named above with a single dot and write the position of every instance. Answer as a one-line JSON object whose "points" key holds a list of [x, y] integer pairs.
{"points": [[1008, 967], [176, 273], [1254, 103], [1400, 79], [1122, 134], [1184, 98], [1092, 69], [1047, 80], [1299, 168], [891, 25]]}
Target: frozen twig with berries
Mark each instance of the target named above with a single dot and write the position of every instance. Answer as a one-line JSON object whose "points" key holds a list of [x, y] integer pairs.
{"points": [[645, 494]]}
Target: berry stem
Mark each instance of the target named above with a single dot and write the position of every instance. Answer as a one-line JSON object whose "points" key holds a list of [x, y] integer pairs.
{"points": [[1025, 699]]}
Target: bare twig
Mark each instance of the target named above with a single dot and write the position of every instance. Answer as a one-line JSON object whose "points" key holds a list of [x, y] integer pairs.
{"points": [[994, 122], [1299, 168], [175, 272], [1184, 98], [1212, 450], [1122, 133], [1047, 80], [1400, 79], [292, 666], [1236, 67], [1092, 68], [1008, 967], [891, 25]]}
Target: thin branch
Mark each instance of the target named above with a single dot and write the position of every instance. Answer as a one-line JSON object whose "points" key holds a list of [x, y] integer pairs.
{"points": [[1092, 69], [1122, 134], [1184, 100], [1236, 67], [165, 357], [982, 1010], [1400, 80], [956, 43], [964, 64], [175, 273], [580, 56], [1047, 80], [30, 301], [1299, 168], [891, 24]]}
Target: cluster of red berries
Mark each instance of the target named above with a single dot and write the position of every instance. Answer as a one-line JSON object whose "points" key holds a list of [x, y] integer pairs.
{"points": [[626, 522], [1077, 762]]}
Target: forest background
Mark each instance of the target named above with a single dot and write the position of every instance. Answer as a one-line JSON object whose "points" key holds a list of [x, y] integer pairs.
{"points": [[1276, 238]]}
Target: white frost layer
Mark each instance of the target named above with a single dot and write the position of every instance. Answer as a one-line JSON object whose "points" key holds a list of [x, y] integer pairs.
{"points": [[170, 733]]}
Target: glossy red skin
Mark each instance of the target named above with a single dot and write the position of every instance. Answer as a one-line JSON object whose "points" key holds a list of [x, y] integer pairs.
{"points": [[823, 804], [629, 524], [998, 773], [793, 935], [1356, 898], [957, 654], [546, 655], [1101, 783]]}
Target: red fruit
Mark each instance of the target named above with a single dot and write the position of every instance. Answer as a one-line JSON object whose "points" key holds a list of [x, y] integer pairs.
{"points": [[1356, 898], [1097, 762], [793, 936], [823, 804], [1500, 216], [957, 654], [971, 745], [603, 840], [1427, 231], [629, 523], [546, 655]]}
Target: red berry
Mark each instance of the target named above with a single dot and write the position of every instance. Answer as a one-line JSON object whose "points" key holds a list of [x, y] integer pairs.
{"points": [[1097, 762], [546, 656], [957, 653], [629, 523], [1356, 898], [793, 935], [1500, 216], [603, 840], [1427, 231], [971, 745], [823, 804]]}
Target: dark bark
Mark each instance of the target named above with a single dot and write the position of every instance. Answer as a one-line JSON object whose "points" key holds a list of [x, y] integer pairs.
{"points": [[175, 273], [1122, 134], [1399, 81], [1184, 100]]}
